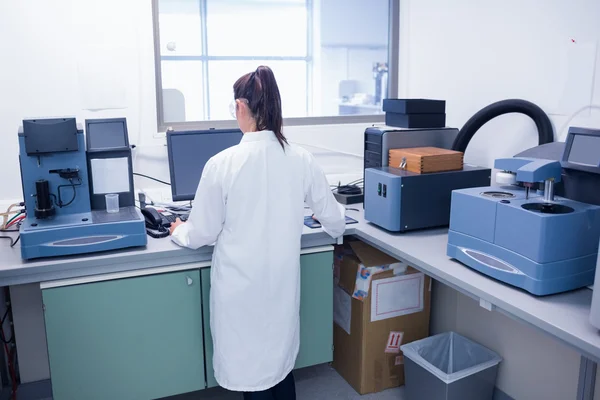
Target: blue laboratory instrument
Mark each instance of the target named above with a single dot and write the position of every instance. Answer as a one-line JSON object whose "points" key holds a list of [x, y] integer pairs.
{"points": [[523, 234], [56, 175]]}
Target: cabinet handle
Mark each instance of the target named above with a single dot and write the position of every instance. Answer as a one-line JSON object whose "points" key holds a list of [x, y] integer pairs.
{"points": [[189, 281]]}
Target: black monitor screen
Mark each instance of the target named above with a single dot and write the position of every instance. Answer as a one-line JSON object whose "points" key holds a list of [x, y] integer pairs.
{"points": [[105, 135], [585, 150], [189, 152]]}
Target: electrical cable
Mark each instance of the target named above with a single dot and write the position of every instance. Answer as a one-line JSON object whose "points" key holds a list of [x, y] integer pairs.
{"points": [[16, 241], [15, 221], [73, 185], [10, 355], [10, 211], [348, 190], [572, 116], [9, 238], [13, 218], [152, 178], [2, 321], [158, 234], [353, 188]]}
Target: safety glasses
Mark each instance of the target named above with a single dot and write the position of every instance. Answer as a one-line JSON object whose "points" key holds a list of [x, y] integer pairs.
{"points": [[233, 107]]}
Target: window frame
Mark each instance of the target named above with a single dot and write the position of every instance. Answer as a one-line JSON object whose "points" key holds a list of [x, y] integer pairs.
{"points": [[162, 126]]}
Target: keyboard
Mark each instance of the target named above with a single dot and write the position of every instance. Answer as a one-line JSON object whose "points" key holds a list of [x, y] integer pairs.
{"points": [[170, 217]]}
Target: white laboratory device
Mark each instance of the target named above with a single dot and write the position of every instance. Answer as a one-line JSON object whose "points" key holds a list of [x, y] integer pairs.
{"points": [[595, 311]]}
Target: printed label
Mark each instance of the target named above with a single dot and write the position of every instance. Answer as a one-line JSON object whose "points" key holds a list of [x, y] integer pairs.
{"points": [[399, 360], [400, 295], [394, 342]]}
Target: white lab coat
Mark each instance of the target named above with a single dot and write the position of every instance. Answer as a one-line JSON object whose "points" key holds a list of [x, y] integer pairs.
{"points": [[250, 201]]}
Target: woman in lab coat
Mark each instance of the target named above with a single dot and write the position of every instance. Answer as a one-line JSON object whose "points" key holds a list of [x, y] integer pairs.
{"points": [[250, 204]]}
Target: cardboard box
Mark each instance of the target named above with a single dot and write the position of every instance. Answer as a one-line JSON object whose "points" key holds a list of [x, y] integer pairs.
{"points": [[371, 324]]}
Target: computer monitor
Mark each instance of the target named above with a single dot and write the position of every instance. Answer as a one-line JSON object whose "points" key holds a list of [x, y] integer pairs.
{"points": [[582, 150], [106, 134], [188, 153]]}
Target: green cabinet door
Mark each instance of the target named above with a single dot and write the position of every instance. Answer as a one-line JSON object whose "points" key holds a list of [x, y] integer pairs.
{"points": [[127, 339], [208, 344], [316, 309], [316, 313]]}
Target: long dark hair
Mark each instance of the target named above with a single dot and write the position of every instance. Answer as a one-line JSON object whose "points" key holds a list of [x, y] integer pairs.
{"points": [[260, 89]]}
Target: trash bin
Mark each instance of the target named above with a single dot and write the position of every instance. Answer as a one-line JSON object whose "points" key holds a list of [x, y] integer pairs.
{"points": [[449, 366]]}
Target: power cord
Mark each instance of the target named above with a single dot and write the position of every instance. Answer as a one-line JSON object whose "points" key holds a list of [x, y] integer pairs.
{"points": [[15, 242], [152, 178], [10, 351], [352, 188], [162, 232], [348, 190], [15, 221], [12, 241], [72, 185]]}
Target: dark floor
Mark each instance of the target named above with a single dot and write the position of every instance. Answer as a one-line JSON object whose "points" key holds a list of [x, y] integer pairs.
{"points": [[314, 383]]}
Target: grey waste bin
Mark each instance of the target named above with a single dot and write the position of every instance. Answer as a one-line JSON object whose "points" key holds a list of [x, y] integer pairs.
{"points": [[449, 366]]}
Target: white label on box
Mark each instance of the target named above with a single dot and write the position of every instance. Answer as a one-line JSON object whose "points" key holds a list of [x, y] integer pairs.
{"points": [[399, 360], [394, 342], [400, 295], [342, 308]]}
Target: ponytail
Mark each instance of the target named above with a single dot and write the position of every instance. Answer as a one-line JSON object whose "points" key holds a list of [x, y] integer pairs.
{"points": [[260, 89]]}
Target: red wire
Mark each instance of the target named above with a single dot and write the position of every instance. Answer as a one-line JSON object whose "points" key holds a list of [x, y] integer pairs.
{"points": [[16, 220]]}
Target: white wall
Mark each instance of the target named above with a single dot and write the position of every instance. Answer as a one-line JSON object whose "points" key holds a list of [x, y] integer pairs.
{"points": [[43, 43], [472, 53]]}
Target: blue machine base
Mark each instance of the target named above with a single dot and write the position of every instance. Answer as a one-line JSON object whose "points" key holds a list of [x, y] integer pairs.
{"points": [[101, 233], [501, 264]]}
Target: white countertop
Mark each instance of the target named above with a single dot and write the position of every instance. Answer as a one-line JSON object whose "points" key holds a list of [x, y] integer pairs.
{"points": [[564, 316]]}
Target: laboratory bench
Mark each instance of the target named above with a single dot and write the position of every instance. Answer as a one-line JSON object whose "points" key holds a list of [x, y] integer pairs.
{"points": [[148, 290], [135, 323]]}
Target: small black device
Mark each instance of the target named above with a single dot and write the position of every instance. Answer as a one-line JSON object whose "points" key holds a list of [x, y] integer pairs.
{"points": [[154, 220], [348, 194], [158, 223], [415, 113], [313, 223]]}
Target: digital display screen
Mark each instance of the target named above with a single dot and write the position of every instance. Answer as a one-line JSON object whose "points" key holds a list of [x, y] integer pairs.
{"points": [[189, 152], [585, 150], [106, 135]]}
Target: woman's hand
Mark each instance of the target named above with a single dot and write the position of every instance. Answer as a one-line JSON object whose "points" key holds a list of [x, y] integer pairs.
{"points": [[175, 225]]}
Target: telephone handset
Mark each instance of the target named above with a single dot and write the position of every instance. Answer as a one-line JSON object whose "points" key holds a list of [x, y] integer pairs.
{"points": [[157, 226]]}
